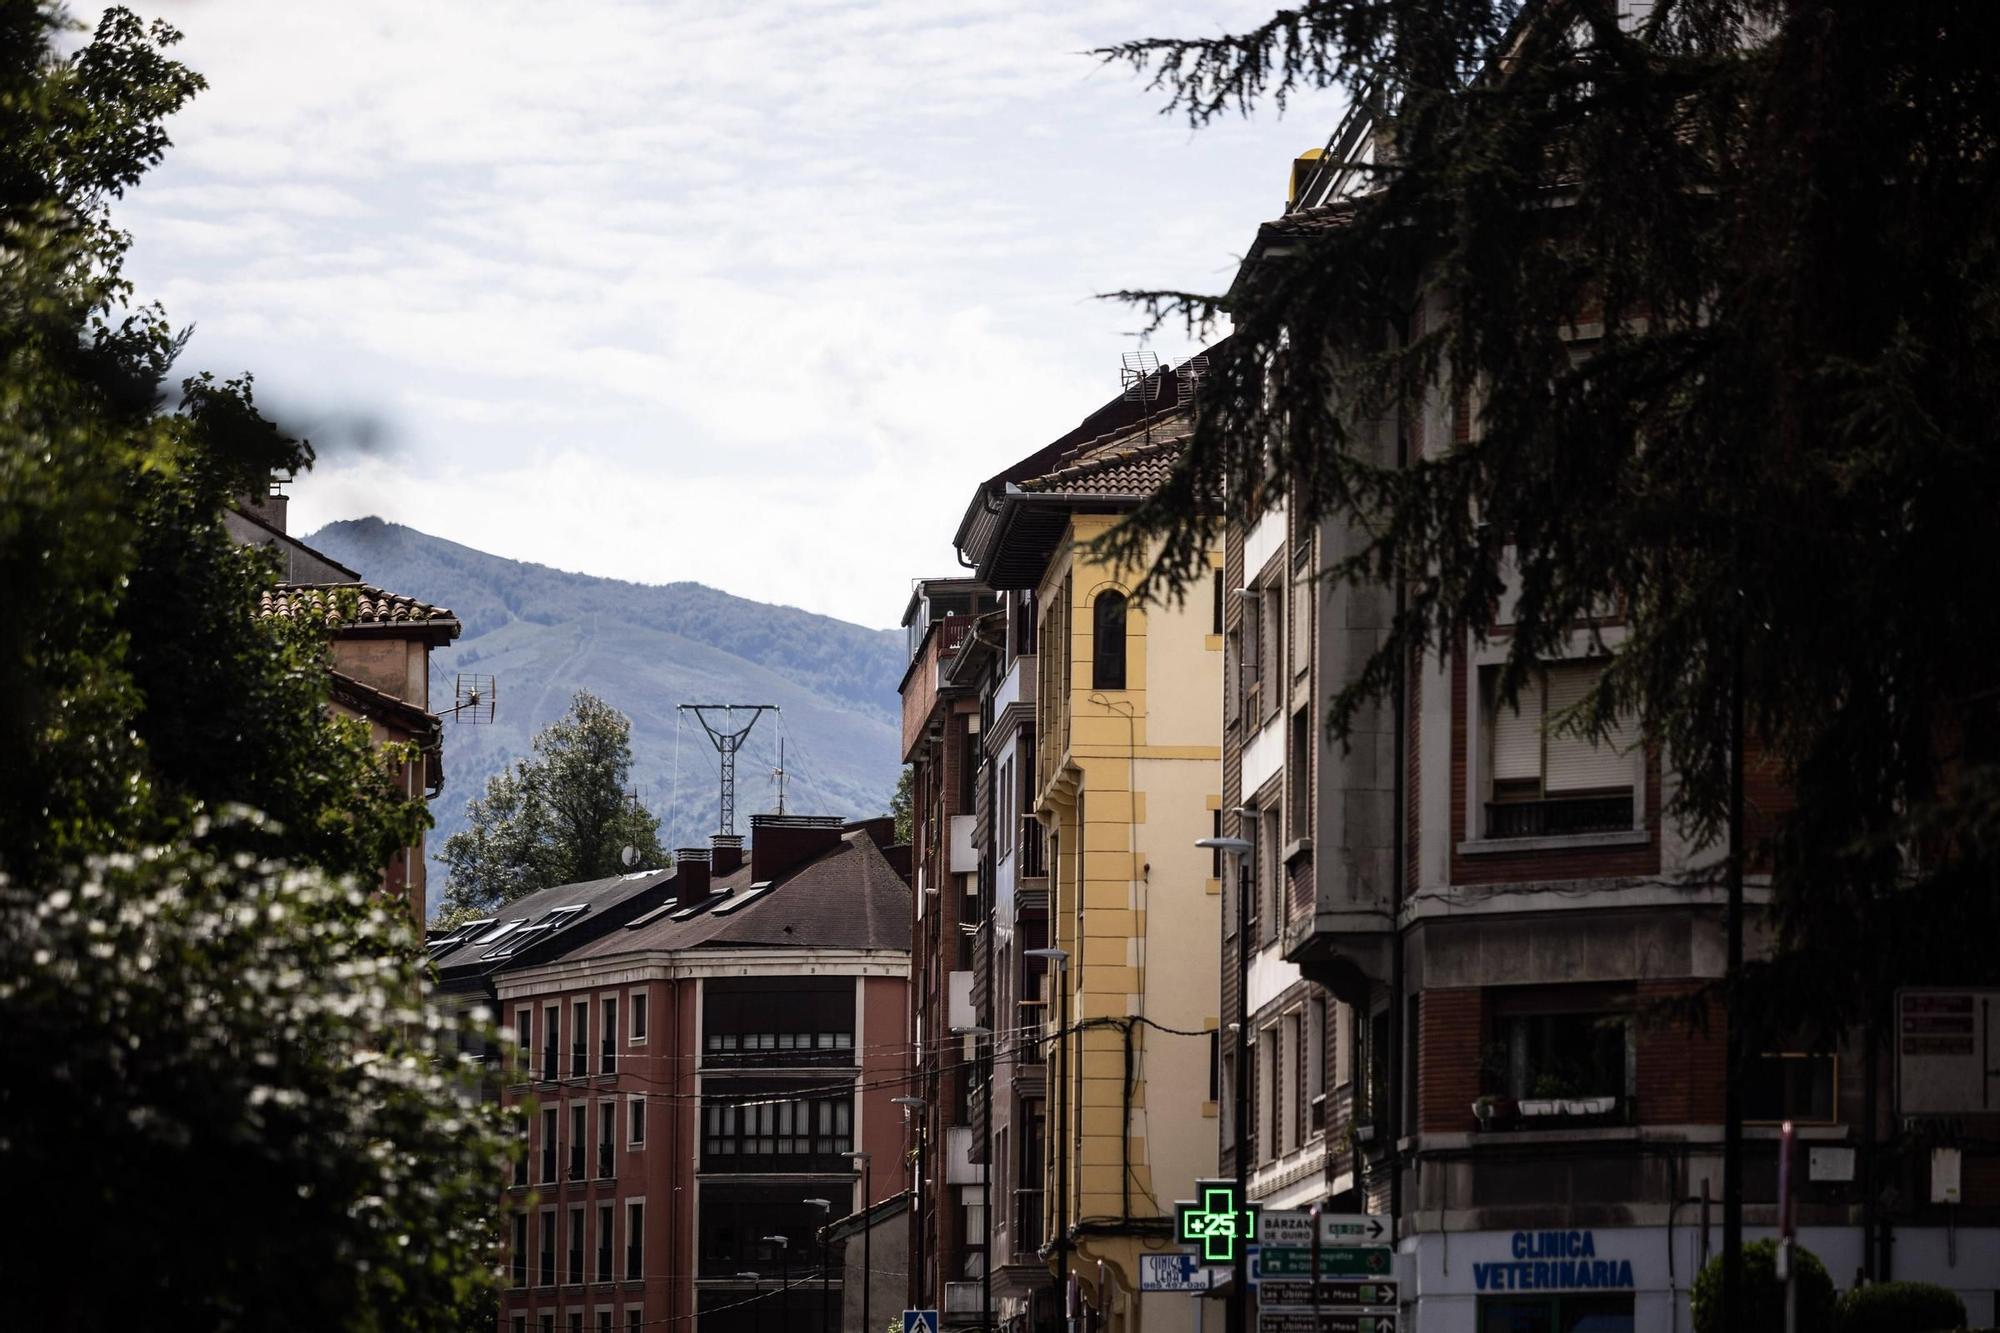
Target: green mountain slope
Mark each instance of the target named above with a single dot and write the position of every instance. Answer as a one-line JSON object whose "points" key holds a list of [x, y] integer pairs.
{"points": [[544, 634]]}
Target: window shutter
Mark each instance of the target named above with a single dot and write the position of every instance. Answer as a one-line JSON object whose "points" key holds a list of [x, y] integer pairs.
{"points": [[1517, 737], [1576, 763]]}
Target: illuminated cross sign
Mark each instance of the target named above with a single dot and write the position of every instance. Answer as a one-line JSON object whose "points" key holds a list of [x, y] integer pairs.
{"points": [[1215, 1222]]}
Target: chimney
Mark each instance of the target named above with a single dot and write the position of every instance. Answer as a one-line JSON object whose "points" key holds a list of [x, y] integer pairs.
{"points": [[269, 507], [690, 875], [727, 856], [780, 842], [881, 830]]}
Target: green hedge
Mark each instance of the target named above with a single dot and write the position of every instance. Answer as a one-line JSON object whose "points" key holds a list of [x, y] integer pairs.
{"points": [[1764, 1295], [1900, 1307]]}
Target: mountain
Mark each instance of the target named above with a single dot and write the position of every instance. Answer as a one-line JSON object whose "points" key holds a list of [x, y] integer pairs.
{"points": [[544, 634]]}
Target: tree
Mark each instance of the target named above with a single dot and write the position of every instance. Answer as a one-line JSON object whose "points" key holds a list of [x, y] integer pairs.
{"points": [[901, 808], [226, 1080], [560, 817]]}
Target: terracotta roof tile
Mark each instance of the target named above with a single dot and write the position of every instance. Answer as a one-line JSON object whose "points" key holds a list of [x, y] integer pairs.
{"points": [[1132, 462], [372, 606]]}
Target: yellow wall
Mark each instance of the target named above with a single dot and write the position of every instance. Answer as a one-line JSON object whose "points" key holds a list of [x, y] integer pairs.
{"points": [[1132, 900]]}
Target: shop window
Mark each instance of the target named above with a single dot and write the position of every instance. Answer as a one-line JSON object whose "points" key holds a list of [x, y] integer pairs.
{"points": [[1560, 1313]]}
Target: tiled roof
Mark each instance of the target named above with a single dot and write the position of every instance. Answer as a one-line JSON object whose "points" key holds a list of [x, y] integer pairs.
{"points": [[1136, 461], [598, 896], [1308, 221], [372, 606]]}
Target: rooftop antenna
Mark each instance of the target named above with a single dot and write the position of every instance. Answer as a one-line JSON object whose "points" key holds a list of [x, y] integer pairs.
{"points": [[779, 774], [1139, 373], [728, 738], [473, 699], [1188, 378]]}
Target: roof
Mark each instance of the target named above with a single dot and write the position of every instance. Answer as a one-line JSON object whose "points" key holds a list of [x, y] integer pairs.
{"points": [[380, 704], [269, 534], [474, 953], [374, 609], [1134, 463], [882, 1210], [848, 897]]}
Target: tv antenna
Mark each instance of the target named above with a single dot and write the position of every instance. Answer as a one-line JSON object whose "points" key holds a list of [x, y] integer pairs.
{"points": [[1188, 378], [473, 699], [779, 774], [1139, 374], [728, 738]]}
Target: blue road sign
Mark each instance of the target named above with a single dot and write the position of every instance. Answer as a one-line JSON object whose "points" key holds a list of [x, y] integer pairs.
{"points": [[920, 1321]]}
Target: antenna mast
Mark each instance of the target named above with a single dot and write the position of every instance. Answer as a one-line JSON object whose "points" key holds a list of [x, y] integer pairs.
{"points": [[779, 774], [728, 738]]}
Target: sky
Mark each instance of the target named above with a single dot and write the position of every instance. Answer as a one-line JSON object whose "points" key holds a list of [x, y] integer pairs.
{"points": [[748, 294]]}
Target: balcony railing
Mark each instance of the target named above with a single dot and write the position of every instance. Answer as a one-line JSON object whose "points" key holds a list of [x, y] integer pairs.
{"points": [[1559, 816], [579, 1064], [607, 1062], [604, 1171], [576, 1266], [632, 1255], [1027, 1221], [551, 1066], [548, 1268], [1033, 859], [604, 1263], [549, 1164], [520, 1268], [576, 1161]]}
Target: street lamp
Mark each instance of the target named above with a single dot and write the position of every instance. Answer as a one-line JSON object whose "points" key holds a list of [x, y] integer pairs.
{"points": [[1060, 959], [863, 1160], [985, 1182], [913, 1114], [756, 1315], [825, 1207], [1237, 850], [784, 1245]]}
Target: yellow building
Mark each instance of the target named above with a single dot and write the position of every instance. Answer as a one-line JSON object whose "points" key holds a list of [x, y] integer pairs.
{"points": [[1127, 778]]}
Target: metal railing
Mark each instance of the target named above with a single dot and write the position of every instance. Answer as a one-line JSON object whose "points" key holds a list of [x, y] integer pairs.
{"points": [[1557, 817], [604, 1263], [604, 1171], [548, 1269], [1033, 860], [1027, 1221], [576, 1267], [579, 1061], [551, 1063], [549, 1164], [632, 1255], [576, 1161]]}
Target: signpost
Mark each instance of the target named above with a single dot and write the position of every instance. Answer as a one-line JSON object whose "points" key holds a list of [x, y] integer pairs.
{"points": [[1334, 1261], [1293, 1229], [1334, 1293], [1328, 1321], [1176, 1272], [920, 1321]]}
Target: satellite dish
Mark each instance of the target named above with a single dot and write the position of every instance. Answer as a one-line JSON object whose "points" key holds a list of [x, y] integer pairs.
{"points": [[628, 854]]}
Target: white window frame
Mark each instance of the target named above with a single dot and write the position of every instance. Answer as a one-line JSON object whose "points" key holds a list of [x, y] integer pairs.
{"points": [[636, 1099], [635, 1003], [639, 1202]]}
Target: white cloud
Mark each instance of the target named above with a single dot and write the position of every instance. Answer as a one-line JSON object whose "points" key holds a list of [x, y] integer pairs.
{"points": [[745, 294]]}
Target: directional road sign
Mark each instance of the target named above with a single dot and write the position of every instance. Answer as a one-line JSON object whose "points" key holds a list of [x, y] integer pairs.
{"points": [[1176, 1272], [1334, 1261], [1335, 1293], [920, 1321], [1293, 1227], [1327, 1321]]}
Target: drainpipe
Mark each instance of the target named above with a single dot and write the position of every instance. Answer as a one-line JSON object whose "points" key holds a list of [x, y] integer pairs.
{"points": [[1398, 715]]}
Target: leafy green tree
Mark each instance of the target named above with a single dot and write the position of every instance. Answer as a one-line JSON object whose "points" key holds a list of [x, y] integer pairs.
{"points": [[1764, 1294], [901, 807], [226, 1091], [559, 817]]}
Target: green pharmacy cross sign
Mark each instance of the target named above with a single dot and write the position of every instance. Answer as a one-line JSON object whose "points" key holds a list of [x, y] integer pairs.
{"points": [[1216, 1222]]}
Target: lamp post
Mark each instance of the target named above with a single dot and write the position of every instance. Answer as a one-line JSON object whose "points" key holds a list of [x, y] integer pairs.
{"points": [[756, 1315], [1060, 959], [867, 1234], [825, 1207], [784, 1245], [975, 1031], [1234, 850], [913, 1116]]}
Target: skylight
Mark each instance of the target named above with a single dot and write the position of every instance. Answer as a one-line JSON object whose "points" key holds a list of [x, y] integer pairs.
{"points": [[456, 936], [521, 939], [687, 913], [756, 891]]}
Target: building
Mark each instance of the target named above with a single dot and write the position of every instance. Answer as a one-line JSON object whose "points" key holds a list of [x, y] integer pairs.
{"points": [[1481, 996], [698, 1077], [381, 647], [1117, 763]]}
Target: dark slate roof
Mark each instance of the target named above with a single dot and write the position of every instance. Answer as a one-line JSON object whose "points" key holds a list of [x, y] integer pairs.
{"points": [[607, 903], [848, 897], [373, 607]]}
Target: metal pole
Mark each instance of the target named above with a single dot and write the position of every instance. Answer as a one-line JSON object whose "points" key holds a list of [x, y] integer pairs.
{"points": [[1732, 1085], [1239, 1273]]}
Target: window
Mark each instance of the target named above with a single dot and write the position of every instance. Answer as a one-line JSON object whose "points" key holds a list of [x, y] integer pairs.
{"points": [[574, 1271], [775, 1129], [1215, 856], [638, 1017], [1563, 1313], [636, 1135], [576, 1321], [524, 1038], [1216, 626], [1546, 784], [1107, 648], [527, 1152], [1250, 636], [1301, 1090], [549, 1146], [1567, 1056], [519, 1323], [607, 1060], [1003, 818], [1316, 1034], [635, 1239], [604, 1242], [1302, 601], [607, 1134], [579, 1039], [604, 1321], [519, 1258], [778, 1021], [1792, 1086], [1271, 1061], [546, 1268], [579, 1136], [548, 1322], [1298, 785], [1271, 652], [634, 1319], [736, 1217], [551, 1039]]}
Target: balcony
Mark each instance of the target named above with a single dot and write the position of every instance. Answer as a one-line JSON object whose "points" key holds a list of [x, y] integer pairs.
{"points": [[1033, 862], [964, 1302], [1558, 817], [1027, 1225]]}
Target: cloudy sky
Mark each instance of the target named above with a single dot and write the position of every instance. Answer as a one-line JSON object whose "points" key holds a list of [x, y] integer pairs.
{"points": [[749, 294]]}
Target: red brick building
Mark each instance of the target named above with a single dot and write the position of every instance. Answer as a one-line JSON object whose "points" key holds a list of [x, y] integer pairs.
{"points": [[696, 1075]]}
